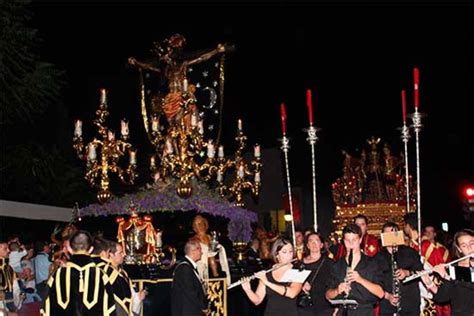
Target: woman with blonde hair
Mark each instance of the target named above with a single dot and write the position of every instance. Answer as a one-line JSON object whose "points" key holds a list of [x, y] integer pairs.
{"points": [[281, 296]]}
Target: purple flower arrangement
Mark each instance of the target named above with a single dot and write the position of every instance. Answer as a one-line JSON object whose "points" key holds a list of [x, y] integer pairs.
{"points": [[162, 197]]}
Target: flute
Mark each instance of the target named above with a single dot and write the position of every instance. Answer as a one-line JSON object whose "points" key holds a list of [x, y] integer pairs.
{"points": [[429, 271], [253, 276]]}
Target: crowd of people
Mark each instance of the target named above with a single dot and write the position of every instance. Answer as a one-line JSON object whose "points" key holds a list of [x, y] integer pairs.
{"points": [[84, 277], [356, 275]]}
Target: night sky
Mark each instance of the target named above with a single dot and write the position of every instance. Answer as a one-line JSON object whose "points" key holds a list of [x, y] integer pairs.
{"points": [[356, 58]]}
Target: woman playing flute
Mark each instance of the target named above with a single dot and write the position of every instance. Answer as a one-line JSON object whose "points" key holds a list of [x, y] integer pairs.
{"points": [[281, 296]]}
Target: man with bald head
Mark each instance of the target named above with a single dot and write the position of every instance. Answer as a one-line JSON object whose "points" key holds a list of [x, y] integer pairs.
{"points": [[188, 296]]}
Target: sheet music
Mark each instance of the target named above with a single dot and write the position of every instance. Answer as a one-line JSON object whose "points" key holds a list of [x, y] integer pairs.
{"points": [[295, 275]]}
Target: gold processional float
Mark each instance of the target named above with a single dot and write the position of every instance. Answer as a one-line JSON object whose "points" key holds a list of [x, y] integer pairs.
{"points": [[374, 184], [175, 126]]}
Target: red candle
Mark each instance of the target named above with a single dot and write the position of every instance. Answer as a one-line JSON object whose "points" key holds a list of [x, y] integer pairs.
{"points": [[416, 81], [404, 107], [309, 103], [283, 118]]}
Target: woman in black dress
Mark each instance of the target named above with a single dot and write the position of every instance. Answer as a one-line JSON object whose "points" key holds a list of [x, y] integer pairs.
{"points": [[317, 282], [281, 297], [459, 293]]}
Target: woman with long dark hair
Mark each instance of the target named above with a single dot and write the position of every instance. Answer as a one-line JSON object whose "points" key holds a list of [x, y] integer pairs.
{"points": [[312, 300], [459, 293]]}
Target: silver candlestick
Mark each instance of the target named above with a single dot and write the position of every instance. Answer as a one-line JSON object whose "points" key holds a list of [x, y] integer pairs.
{"points": [[405, 131], [416, 118], [312, 140], [285, 146]]}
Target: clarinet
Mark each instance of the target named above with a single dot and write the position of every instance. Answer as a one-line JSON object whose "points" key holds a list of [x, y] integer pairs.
{"points": [[345, 310], [395, 280]]}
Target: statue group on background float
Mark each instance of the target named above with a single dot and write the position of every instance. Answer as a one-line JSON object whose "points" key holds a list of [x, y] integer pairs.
{"points": [[375, 176]]}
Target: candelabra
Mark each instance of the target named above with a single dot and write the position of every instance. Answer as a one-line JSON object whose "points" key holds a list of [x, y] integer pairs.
{"points": [[246, 176], [110, 150], [181, 153]]}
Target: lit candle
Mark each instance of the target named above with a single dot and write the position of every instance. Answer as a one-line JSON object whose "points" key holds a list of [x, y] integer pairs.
{"points": [[241, 171], [193, 119], [256, 151], [221, 151], [201, 127], [133, 157], [154, 123], [152, 162], [283, 118], [169, 147], [309, 103], [78, 128], [219, 176], [257, 177], [110, 136], [103, 96], [416, 87], [210, 150], [185, 85], [404, 107], [124, 127], [239, 125], [92, 153]]}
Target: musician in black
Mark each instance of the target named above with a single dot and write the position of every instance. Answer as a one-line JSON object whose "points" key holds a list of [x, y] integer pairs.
{"points": [[460, 293], [358, 281], [407, 260], [316, 260]]}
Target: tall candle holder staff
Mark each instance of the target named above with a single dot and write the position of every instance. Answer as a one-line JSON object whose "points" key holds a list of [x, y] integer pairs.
{"points": [[285, 146], [312, 139], [416, 125], [405, 131]]}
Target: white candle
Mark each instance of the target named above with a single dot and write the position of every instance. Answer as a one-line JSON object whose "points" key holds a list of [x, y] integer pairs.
{"points": [[210, 150], [78, 128], [219, 176], [221, 151], [103, 96], [193, 119], [133, 157], [110, 136], [201, 127], [152, 162], [239, 124], [257, 177], [256, 151], [169, 147], [154, 124], [124, 127], [92, 153], [241, 171], [185, 85]]}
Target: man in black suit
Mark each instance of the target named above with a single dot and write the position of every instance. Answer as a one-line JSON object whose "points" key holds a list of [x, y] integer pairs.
{"points": [[187, 291]]}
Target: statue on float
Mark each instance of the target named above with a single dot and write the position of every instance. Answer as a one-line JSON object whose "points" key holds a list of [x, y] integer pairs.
{"points": [[210, 249]]}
